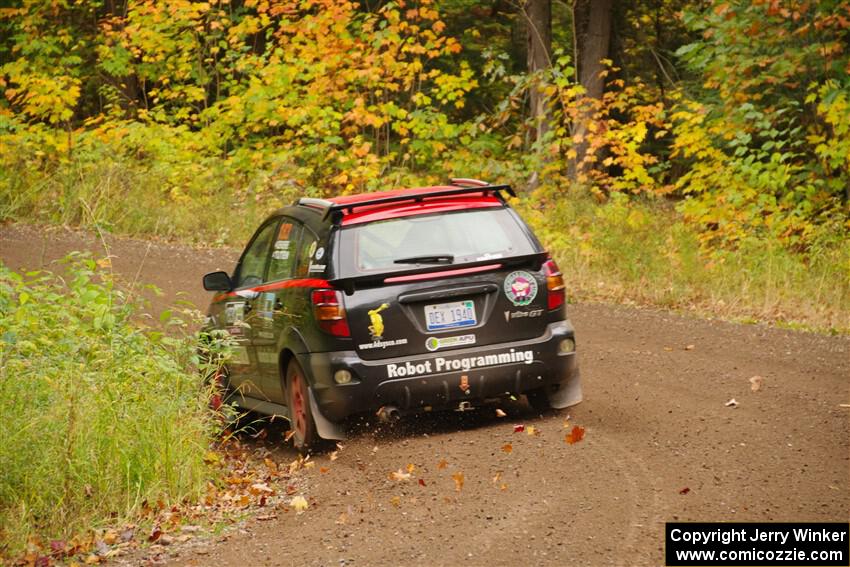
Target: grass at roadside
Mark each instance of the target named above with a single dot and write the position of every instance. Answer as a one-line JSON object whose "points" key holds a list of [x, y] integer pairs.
{"points": [[98, 415], [643, 253]]}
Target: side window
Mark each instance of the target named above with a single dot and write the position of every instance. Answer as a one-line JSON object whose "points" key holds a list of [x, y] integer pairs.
{"points": [[253, 264], [306, 254], [284, 250]]}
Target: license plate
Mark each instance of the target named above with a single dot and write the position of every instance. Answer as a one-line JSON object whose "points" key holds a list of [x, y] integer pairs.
{"points": [[450, 315]]}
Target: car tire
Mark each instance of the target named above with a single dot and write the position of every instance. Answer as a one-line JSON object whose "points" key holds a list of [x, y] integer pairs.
{"points": [[219, 385], [538, 400], [301, 420]]}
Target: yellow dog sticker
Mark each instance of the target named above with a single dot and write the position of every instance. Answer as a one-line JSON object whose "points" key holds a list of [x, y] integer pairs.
{"points": [[377, 326]]}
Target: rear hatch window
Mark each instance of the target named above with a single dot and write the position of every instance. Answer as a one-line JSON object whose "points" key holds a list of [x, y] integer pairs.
{"points": [[442, 238], [436, 314]]}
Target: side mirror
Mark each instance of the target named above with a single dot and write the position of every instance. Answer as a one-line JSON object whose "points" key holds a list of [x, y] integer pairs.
{"points": [[217, 281]]}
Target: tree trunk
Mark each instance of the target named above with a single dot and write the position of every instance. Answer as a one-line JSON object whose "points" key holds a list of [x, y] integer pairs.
{"points": [[592, 25], [538, 19]]}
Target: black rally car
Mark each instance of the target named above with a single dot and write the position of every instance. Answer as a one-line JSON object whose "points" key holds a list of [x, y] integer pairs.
{"points": [[403, 301]]}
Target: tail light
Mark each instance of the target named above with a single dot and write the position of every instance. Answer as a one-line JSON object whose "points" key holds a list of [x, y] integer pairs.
{"points": [[329, 312], [555, 284]]}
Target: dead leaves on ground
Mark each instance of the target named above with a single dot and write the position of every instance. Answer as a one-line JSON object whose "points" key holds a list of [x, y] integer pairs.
{"points": [[249, 480], [575, 435], [458, 478], [409, 473]]}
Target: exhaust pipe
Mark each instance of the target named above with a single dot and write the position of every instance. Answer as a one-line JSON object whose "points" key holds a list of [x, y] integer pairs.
{"points": [[389, 414]]}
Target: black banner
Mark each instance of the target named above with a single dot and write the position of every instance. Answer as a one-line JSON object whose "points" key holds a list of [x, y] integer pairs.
{"points": [[761, 544]]}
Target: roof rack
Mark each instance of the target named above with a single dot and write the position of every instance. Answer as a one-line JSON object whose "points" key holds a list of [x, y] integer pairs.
{"points": [[467, 182], [314, 203]]}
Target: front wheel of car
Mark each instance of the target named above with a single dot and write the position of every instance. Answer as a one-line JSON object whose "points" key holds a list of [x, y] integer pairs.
{"points": [[301, 416]]}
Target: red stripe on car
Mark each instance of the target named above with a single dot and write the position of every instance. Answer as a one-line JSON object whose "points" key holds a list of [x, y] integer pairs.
{"points": [[306, 282]]}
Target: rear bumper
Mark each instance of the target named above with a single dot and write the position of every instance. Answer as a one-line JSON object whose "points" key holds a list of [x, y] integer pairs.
{"points": [[440, 379]]}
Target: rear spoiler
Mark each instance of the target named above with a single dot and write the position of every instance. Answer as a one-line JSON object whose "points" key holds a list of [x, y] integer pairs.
{"points": [[459, 187], [350, 284]]}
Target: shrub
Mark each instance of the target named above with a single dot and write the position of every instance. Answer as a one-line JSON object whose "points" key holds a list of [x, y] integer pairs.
{"points": [[99, 415]]}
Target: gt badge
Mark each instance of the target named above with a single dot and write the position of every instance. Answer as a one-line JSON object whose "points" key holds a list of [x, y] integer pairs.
{"points": [[520, 288], [377, 326]]}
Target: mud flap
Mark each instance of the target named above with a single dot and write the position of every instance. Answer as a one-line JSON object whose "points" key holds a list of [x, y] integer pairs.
{"points": [[324, 427], [568, 393]]}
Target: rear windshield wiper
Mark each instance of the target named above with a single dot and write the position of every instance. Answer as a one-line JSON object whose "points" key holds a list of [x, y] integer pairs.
{"points": [[432, 259]]}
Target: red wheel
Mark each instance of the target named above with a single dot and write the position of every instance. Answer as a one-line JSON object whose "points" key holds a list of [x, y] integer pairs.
{"points": [[301, 416], [219, 386]]}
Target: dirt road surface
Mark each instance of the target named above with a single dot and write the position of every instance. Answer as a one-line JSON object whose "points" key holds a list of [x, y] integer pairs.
{"points": [[660, 444]]}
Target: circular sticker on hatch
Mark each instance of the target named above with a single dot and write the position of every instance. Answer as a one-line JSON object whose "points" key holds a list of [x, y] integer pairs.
{"points": [[319, 253], [520, 288]]}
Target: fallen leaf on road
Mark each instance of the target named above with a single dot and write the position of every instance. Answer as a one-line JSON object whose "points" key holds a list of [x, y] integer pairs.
{"points": [[458, 478], [299, 504], [500, 413], [410, 467], [421, 482], [690, 347], [519, 428], [395, 501], [497, 477], [334, 456], [755, 383], [574, 436], [685, 490], [442, 464], [731, 403], [156, 533], [288, 435], [399, 475], [531, 430], [507, 448], [503, 487], [260, 487], [323, 470], [110, 537]]}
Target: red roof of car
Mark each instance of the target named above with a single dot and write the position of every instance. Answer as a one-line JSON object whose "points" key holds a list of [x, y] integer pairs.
{"points": [[440, 203]]}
